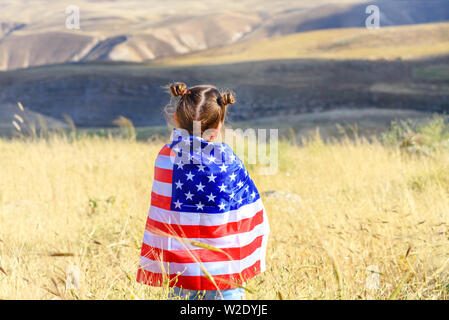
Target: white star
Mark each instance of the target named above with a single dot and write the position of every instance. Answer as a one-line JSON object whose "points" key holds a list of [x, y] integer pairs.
{"points": [[231, 196], [240, 201], [201, 167], [211, 159], [232, 176], [211, 197], [247, 188], [190, 176], [246, 173], [177, 204], [240, 184], [222, 187], [200, 187], [223, 168], [253, 195], [241, 165], [222, 148], [222, 206], [189, 195], [232, 158], [212, 177], [179, 185], [180, 164], [199, 206]]}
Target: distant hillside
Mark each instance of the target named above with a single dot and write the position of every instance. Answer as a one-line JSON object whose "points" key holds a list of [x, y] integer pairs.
{"points": [[344, 15], [33, 33], [405, 42], [95, 94]]}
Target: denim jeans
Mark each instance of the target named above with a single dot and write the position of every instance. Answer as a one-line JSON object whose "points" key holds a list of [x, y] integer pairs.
{"points": [[229, 294]]}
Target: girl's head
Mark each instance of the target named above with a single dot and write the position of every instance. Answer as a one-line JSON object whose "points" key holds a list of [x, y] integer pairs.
{"points": [[204, 104]]}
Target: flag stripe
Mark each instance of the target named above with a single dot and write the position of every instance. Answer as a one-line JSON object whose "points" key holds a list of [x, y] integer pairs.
{"points": [[201, 255], [205, 219], [164, 162], [160, 201], [166, 151], [163, 175], [199, 231], [195, 269], [194, 282], [235, 240], [162, 188]]}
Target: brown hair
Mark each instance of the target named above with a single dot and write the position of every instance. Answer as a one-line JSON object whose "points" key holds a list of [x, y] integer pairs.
{"points": [[203, 103]]}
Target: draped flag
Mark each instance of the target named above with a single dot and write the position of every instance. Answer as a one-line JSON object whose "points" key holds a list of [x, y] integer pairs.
{"points": [[207, 227]]}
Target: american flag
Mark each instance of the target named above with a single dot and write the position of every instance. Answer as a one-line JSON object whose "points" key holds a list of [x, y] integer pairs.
{"points": [[202, 199]]}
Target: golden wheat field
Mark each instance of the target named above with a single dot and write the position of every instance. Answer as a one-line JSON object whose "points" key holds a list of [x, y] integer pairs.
{"points": [[351, 220]]}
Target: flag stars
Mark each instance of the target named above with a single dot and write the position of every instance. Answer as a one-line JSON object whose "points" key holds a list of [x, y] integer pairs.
{"points": [[239, 201], [222, 148], [240, 184], [190, 175], [180, 165], [212, 177], [179, 184], [232, 195], [178, 204], [222, 206], [199, 206], [211, 197], [189, 195], [253, 195], [200, 187], [211, 159], [232, 176], [222, 187], [223, 168], [201, 168]]}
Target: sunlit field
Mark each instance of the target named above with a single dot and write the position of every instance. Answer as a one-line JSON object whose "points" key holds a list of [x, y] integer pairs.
{"points": [[349, 220]]}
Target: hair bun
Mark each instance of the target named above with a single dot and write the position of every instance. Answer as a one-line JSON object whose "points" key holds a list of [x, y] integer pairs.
{"points": [[179, 89], [227, 98]]}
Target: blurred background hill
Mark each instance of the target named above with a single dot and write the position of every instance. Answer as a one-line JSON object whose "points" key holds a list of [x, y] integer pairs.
{"points": [[281, 58]]}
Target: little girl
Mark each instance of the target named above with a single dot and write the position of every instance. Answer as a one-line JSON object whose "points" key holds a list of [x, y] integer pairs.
{"points": [[207, 229]]}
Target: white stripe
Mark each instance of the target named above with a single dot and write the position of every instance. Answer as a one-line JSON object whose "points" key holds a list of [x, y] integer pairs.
{"points": [[205, 219], [164, 162], [193, 269], [231, 241], [162, 188]]}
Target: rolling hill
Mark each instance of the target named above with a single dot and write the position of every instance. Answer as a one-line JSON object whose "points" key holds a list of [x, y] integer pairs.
{"points": [[403, 42], [34, 33]]}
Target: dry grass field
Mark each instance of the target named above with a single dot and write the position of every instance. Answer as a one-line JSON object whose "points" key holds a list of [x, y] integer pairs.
{"points": [[346, 214]]}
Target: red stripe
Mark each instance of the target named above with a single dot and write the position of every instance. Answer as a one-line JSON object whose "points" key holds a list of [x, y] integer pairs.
{"points": [[166, 151], [199, 282], [160, 201], [163, 175], [198, 231], [200, 255]]}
